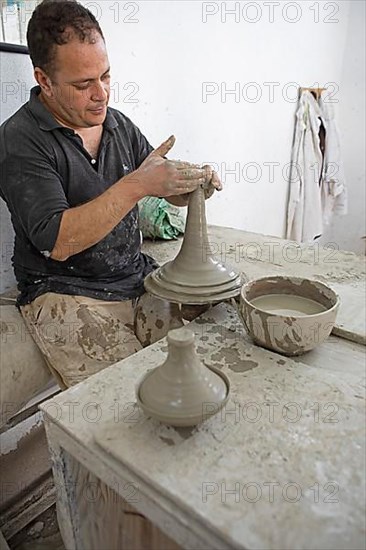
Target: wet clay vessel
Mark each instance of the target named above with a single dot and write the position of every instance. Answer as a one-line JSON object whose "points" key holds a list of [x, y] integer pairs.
{"points": [[182, 391], [289, 315], [195, 276]]}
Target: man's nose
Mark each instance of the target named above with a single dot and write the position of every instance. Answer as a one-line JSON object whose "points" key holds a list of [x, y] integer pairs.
{"points": [[99, 92]]}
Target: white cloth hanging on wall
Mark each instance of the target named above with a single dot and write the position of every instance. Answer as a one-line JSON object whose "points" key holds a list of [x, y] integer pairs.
{"points": [[317, 184], [334, 189]]}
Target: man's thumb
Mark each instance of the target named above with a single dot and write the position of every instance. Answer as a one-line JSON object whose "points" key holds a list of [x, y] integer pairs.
{"points": [[165, 147]]}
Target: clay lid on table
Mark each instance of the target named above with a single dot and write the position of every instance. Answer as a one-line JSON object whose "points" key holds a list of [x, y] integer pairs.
{"points": [[182, 391]]}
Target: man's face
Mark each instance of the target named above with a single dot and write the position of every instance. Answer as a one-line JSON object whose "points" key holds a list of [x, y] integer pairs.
{"points": [[80, 86]]}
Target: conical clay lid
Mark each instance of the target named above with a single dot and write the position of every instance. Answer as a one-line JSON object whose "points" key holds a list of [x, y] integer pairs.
{"points": [[182, 391]]}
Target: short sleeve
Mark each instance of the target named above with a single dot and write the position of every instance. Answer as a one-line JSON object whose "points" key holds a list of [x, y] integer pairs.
{"points": [[32, 189]]}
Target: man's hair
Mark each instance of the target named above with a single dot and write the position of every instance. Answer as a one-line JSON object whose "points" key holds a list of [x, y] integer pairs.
{"points": [[56, 22]]}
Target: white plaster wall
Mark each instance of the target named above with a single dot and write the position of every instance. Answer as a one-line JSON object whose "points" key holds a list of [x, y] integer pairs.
{"points": [[347, 231], [162, 54]]}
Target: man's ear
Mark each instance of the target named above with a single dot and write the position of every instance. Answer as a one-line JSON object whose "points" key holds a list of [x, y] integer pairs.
{"points": [[44, 82]]}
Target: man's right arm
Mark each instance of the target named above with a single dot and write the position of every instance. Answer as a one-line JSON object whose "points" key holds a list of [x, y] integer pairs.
{"points": [[83, 226]]}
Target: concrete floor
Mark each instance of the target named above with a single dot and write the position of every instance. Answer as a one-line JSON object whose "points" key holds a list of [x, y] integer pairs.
{"points": [[42, 534]]}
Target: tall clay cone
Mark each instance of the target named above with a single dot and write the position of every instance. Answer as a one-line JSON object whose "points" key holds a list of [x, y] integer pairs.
{"points": [[195, 264], [195, 276]]}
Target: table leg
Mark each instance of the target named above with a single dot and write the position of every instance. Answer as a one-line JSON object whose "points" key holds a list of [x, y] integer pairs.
{"points": [[66, 502], [92, 516]]}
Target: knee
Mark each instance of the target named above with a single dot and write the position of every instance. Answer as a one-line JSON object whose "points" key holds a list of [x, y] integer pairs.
{"points": [[154, 318]]}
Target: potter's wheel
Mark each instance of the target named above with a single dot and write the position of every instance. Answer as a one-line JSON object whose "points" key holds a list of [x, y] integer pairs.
{"points": [[195, 276], [158, 284]]}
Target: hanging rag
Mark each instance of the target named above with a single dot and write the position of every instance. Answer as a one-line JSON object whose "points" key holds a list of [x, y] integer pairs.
{"points": [[334, 189], [317, 184], [159, 219]]}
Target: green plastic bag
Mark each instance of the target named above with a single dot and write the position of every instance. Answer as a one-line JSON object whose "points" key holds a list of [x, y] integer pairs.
{"points": [[160, 219]]}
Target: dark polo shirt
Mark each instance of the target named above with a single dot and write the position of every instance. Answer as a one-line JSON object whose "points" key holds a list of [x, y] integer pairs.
{"points": [[44, 170]]}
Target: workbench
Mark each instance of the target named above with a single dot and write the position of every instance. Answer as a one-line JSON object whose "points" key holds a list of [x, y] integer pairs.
{"points": [[282, 466]]}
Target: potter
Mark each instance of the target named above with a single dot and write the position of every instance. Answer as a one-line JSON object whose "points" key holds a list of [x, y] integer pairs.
{"points": [[73, 171]]}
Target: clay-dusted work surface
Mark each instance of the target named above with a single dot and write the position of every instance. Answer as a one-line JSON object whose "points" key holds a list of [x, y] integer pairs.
{"points": [[298, 421], [262, 255], [290, 442]]}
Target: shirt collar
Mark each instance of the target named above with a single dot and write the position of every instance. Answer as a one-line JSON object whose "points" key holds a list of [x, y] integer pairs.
{"points": [[48, 122]]}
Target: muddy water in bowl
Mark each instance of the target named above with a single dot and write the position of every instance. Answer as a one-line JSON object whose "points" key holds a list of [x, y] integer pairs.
{"points": [[289, 315], [284, 304]]}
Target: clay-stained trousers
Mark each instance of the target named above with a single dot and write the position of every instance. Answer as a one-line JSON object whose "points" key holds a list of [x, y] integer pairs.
{"points": [[78, 337]]}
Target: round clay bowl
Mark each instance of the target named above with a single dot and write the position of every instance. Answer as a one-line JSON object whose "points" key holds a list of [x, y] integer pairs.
{"points": [[179, 417], [289, 315]]}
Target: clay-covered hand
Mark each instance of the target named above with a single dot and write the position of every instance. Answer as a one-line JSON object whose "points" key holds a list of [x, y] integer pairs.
{"points": [[212, 182], [159, 177]]}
